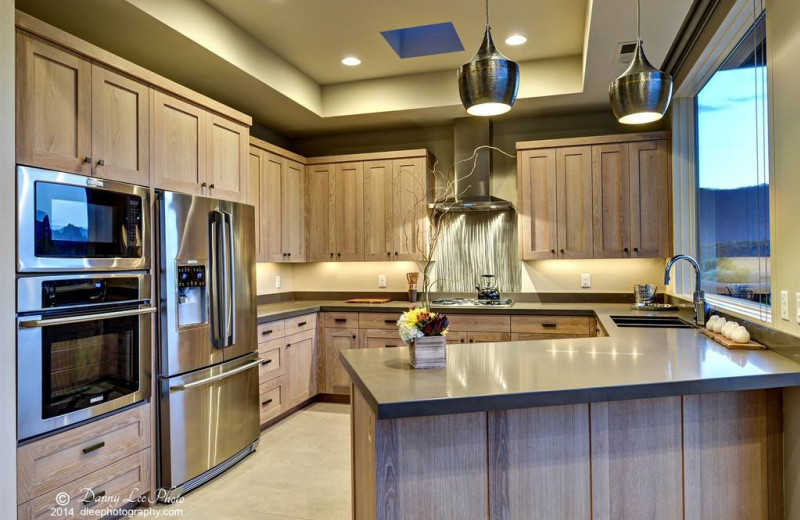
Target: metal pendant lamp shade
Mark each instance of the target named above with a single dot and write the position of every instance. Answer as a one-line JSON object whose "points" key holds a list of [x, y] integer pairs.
{"points": [[642, 93], [488, 83]]}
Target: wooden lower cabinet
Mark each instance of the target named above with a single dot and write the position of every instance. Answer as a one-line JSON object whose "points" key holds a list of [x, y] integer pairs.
{"points": [[271, 398], [301, 364], [379, 338], [337, 381], [708, 456]]}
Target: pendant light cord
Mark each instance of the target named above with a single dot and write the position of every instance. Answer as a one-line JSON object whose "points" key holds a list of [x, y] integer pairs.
{"points": [[487, 13], [638, 24]]}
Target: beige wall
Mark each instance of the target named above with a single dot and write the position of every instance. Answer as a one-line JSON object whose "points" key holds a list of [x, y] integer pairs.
{"points": [[8, 381]]}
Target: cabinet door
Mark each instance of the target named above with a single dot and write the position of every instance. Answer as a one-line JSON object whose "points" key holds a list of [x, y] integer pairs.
{"points": [[271, 191], [538, 222], [378, 223], [650, 199], [255, 158], [54, 88], [301, 373], [120, 127], [488, 337], [611, 200], [409, 210], [574, 191], [293, 214], [227, 158], [337, 381], [348, 188], [320, 213], [180, 145]]}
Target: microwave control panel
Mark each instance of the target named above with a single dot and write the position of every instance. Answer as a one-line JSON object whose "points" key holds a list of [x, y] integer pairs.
{"points": [[191, 276]]}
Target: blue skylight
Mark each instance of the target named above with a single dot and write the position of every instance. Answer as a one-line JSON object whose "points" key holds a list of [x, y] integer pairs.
{"points": [[424, 40]]}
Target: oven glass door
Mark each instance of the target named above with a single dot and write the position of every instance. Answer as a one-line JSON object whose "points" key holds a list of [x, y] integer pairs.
{"points": [[88, 363], [82, 222]]}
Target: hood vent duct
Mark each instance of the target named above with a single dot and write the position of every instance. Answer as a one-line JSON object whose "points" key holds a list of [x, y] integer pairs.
{"points": [[472, 177]]}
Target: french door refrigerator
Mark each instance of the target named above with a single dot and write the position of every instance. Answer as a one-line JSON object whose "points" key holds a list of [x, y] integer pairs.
{"points": [[208, 359]]}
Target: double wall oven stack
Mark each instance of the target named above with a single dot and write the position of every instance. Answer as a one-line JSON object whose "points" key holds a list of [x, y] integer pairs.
{"points": [[86, 318]]}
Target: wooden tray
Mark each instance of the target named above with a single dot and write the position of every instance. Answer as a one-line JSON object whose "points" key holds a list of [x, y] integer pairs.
{"points": [[727, 343], [369, 300]]}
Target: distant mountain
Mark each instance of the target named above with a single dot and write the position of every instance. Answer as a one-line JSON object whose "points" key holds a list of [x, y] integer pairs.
{"points": [[736, 221], [70, 233]]}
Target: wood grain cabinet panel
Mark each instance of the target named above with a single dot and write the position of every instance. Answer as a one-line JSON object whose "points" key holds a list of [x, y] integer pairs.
{"points": [[539, 461], [650, 199], [580, 325], [409, 211], [180, 136], [293, 211], [227, 158], [337, 381], [379, 338], [574, 195], [120, 127], [255, 160], [348, 211], [321, 243], [538, 215], [301, 367], [378, 211], [637, 445], [611, 200], [272, 398], [273, 362], [480, 322], [488, 337], [54, 89], [270, 203]]}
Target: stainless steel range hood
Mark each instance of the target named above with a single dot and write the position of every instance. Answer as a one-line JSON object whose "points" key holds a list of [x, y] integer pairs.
{"points": [[472, 186]]}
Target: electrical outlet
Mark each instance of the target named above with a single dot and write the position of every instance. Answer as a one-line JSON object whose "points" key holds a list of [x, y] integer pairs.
{"points": [[278, 281], [785, 305], [586, 281], [382, 281]]}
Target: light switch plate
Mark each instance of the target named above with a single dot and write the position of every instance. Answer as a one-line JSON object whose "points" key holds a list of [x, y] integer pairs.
{"points": [[278, 281], [785, 305], [586, 280], [382, 281]]}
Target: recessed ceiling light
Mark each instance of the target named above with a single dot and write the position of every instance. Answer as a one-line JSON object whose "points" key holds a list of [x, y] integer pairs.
{"points": [[516, 39], [351, 61]]}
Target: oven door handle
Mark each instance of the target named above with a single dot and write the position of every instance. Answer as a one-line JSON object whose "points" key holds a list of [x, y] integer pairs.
{"points": [[29, 324], [217, 377]]}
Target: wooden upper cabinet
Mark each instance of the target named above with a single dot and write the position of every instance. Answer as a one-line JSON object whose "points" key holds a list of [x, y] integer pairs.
{"points": [[574, 202], [120, 127], [650, 199], [378, 211], [180, 145], [255, 158], [227, 158], [271, 195], [611, 200], [54, 88], [537, 204], [320, 213], [293, 205], [409, 208], [348, 211]]}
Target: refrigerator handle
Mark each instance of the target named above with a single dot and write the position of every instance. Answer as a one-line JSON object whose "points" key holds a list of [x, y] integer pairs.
{"points": [[215, 222], [229, 261]]}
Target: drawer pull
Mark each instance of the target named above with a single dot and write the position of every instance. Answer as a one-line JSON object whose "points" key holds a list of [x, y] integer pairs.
{"points": [[266, 332], [266, 362], [288, 345], [301, 324], [93, 447], [265, 403], [390, 321], [390, 346], [94, 496], [340, 320], [549, 325]]}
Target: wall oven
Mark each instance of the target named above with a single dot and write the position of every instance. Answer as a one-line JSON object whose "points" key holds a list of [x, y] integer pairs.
{"points": [[68, 222], [83, 347]]}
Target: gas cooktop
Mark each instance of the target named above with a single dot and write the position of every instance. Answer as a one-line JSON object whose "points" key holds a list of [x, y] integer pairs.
{"points": [[473, 302]]}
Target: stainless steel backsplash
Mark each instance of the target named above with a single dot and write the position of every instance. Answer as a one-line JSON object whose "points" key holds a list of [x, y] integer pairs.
{"points": [[478, 243]]}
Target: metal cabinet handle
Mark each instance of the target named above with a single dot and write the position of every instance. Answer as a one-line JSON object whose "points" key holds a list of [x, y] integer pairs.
{"points": [[340, 320], [625, 249], [331, 255], [471, 340], [266, 332], [217, 377], [93, 447], [29, 324], [390, 321], [211, 186], [562, 251], [87, 159], [549, 325], [354, 336], [203, 185], [635, 249], [390, 346], [101, 162], [395, 253], [302, 324], [388, 253], [288, 345], [553, 251], [265, 403], [266, 362], [86, 500], [338, 254]]}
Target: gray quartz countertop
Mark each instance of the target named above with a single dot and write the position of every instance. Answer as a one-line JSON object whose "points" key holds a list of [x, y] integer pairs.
{"points": [[629, 363]]}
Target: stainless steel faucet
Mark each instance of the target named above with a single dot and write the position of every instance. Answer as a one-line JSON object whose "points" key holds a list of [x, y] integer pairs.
{"points": [[698, 297]]}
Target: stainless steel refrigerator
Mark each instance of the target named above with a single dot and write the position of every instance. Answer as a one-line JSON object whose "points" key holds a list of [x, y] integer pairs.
{"points": [[208, 359]]}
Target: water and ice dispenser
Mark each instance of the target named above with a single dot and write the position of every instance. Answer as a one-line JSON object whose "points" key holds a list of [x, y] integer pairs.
{"points": [[192, 301]]}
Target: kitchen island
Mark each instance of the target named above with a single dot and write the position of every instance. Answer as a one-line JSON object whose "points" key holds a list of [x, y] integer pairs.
{"points": [[642, 423]]}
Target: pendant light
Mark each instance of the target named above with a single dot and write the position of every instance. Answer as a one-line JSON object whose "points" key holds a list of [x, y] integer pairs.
{"points": [[642, 94], [488, 83]]}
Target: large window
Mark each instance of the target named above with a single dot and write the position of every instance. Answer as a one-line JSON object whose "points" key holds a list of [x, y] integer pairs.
{"points": [[733, 183]]}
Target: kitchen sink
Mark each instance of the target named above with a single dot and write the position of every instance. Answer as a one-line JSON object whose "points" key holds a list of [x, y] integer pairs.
{"points": [[659, 322]]}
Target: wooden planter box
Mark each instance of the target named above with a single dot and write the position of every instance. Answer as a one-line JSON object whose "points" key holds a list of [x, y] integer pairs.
{"points": [[428, 352]]}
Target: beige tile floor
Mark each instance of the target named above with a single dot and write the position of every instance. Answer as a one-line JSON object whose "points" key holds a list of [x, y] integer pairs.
{"points": [[301, 470]]}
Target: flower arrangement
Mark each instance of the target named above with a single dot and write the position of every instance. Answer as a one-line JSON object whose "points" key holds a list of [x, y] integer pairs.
{"points": [[418, 323]]}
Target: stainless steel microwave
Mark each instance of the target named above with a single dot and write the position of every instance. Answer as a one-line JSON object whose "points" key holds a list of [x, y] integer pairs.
{"points": [[68, 222]]}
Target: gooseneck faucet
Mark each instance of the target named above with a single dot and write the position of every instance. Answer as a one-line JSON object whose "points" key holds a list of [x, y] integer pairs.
{"points": [[698, 297]]}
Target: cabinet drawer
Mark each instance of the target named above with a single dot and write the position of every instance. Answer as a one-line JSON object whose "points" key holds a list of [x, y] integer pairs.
{"points": [[531, 336], [488, 337], [271, 330], [271, 354], [377, 338], [378, 320], [479, 323], [271, 399], [300, 324], [95, 492], [340, 320], [44, 465], [456, 336], [552, 324]]}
